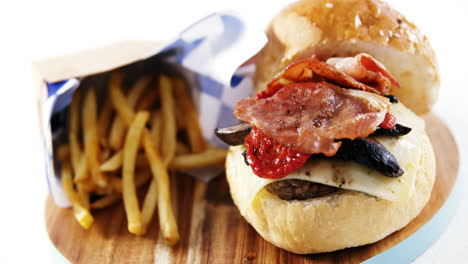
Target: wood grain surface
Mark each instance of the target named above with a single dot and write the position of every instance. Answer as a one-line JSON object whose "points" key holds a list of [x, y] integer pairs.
{"points": [[213, 231]]}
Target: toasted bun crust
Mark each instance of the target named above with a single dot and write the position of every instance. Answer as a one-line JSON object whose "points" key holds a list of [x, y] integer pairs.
{"points": [[330, 28], [341, 220]]}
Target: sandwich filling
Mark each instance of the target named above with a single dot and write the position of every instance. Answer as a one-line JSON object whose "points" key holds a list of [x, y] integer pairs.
{"points": [[303, 111], [339, 173], [312, 109]]}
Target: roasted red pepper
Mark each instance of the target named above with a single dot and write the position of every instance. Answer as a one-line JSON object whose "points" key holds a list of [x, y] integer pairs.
{"points": [[270, 159], [389, 122]]}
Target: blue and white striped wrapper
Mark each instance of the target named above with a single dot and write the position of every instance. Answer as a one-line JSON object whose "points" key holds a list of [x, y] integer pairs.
{"points": [[208, 54]]}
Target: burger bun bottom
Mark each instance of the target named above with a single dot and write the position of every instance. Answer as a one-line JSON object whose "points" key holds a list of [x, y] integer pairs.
{"points": [[340, 220]]}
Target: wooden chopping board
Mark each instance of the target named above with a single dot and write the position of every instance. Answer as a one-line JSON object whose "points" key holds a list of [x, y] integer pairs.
{"points": [[212, 229]]}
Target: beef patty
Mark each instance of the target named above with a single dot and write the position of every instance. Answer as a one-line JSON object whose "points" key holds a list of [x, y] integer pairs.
{"points": [[299, 189]]}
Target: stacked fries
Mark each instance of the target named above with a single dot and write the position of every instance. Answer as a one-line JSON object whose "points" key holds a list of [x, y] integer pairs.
{"points": [[134, 137]]}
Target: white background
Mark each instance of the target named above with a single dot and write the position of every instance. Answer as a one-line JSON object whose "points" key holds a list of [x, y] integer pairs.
{"points": [[39, 29]]}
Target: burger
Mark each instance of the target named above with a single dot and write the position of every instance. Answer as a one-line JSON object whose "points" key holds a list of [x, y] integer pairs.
{"points": [[330, 152]]}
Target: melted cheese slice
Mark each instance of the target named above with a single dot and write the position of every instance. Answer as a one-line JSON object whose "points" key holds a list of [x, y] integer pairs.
{"points": [[345, 174]]}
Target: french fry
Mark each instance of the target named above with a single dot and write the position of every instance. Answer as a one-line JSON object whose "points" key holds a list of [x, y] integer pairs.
{"points": [[104, 122], [128, 182], [81, 172], [117, 134], [93, 153], [180, 119], [106, 201], [113, 163], [194, 132], [78, 157], [118, 126], [137, 90], [73, 131], [120, 103], [156, 123], [166, 216], [149, 204], [87, 185], [63, 153], [83, 195], [148, 99], [64, 157], [83, 216], [105, 153], [209, 157], [169, 132]]}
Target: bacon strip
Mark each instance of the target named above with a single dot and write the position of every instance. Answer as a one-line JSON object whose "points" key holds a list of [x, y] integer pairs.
{"points": [[361, 72], [313, 70], [308, 117], [367, 70]]}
